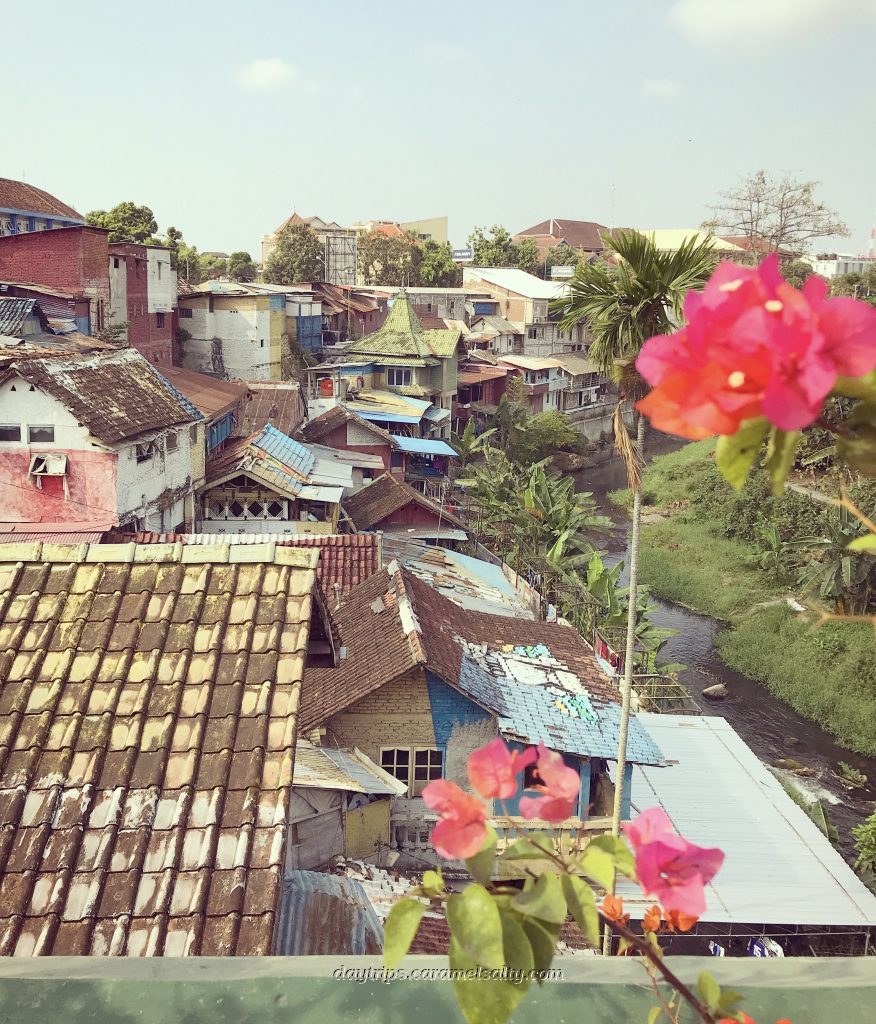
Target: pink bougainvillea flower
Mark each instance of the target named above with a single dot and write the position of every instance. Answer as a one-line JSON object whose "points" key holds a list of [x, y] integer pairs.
{"points": [[670, 868], [559, 786], [462, 830], [754, 346], [493, 769]]}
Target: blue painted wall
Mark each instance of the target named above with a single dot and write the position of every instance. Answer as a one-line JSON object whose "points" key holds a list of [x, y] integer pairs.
{"points": [[219, 431], [309, 330], [450, 708]]}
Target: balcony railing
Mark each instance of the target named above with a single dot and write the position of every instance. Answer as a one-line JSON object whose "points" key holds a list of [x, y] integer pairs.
{"points": [[410, 830]]}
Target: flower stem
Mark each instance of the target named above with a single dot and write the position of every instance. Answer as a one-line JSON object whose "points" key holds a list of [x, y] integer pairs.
{"points": [[647, 951]]}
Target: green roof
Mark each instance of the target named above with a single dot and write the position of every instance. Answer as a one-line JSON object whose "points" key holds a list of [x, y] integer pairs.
{"points": [[402, 334], [442, 343]]}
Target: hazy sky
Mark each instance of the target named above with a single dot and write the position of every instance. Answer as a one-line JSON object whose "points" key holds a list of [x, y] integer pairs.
{"points": [[226, 117]]}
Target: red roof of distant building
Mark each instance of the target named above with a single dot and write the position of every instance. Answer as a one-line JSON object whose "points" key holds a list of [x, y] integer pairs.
{"points": [[18, 195], [580, 234]]}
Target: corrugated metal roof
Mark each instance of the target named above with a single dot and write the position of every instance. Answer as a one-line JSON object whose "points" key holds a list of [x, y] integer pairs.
{"points": [[13, 313], [575, 362], [285, 450], [530, 362], [469, 582], [539, 700], [211, 396], [779, 867], [513, 280], [424, 446], [324, 914]]}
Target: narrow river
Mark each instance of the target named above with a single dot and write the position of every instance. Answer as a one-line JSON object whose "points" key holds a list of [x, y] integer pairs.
{"points": [[770, 727]]}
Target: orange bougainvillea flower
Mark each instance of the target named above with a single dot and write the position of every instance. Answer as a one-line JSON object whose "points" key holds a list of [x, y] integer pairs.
{"points": [[676, 921], [743, 1018], [651, 920], [613, 909]]}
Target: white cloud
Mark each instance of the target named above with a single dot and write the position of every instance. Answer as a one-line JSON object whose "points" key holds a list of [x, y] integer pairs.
{"points": [[660, 88], [269, 74], [753, 22], [449, 52]]}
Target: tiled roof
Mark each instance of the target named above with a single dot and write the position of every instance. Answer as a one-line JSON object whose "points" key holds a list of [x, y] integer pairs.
{"points": [[344, 559], [280, 405], [210, 396], [580, 234], [396, 621], [401, 333], [448, 623], [377, 625], [13, 313], [336, 417], [118, 396], [147, 715], [368, 507], [538, 700], [18, 195]]}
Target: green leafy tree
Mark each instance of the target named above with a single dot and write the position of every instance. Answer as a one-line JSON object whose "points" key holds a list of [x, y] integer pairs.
{"points": [[856, 286], [623, 303], [493, 248], [526, 256], [510, 413], [562, 255], [468, 443], [843, 577], [241, 267], [796, 272], [298, 256], [127, 222], [188, 263], [212, 267], [390, 259], [542, 435], [437, 268]]}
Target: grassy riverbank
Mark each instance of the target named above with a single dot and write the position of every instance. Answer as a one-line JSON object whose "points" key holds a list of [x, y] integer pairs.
{"points": [[702, 556]]}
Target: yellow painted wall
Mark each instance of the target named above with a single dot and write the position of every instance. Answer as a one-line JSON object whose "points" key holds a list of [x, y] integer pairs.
{"points": [[366, 829]]}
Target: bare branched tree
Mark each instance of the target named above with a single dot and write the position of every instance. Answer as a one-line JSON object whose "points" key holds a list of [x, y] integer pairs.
{"points": [[775, 215]]}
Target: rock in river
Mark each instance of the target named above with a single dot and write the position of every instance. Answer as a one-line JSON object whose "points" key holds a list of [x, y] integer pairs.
{"points": [[716, 692]]}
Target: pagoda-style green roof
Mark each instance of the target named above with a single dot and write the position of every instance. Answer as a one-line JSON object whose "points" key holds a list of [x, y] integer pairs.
{"points": [[402, 335]]}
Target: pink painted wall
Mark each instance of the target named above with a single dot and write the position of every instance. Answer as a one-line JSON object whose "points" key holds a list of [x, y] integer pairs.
{"points": [[91, 484]]}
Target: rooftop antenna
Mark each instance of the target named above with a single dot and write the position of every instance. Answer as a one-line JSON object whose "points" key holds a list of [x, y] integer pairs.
{"points": [[611, 209]]}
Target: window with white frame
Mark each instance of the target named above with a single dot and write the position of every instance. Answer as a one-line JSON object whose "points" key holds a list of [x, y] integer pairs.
{"points": [[40, 435], [398, 376], [416, 767]]}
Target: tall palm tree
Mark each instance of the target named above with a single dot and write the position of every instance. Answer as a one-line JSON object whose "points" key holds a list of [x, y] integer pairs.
{"points": [[637, 291]]}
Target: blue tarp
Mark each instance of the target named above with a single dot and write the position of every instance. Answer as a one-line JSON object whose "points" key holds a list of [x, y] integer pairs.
{"points": [[424, 445]]}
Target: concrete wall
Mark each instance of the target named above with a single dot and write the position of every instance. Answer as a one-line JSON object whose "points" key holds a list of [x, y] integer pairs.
{"points": [[91, 470], [161, 280], [239, 339], [158, 491]]}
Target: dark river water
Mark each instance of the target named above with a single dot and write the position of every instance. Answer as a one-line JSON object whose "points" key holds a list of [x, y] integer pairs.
{"points": [[769, 726]]}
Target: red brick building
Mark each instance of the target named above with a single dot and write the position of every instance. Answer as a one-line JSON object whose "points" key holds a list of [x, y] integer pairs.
{"points": [[75, 259]]}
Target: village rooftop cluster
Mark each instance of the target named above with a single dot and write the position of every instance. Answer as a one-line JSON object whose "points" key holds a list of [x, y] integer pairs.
{"points": [[244, 619]]}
